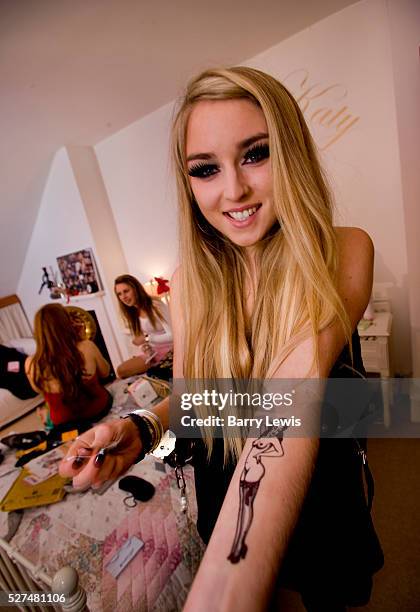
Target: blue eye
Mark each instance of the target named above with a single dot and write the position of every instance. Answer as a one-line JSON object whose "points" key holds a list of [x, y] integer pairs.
{"points": [[202, 170], [257, 153]]}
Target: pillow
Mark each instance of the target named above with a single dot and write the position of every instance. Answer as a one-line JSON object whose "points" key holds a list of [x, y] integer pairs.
{"points": [[24, 345]]}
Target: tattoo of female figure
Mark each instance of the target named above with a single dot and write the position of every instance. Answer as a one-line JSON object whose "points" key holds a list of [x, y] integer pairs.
{"points": [[250, 479]]}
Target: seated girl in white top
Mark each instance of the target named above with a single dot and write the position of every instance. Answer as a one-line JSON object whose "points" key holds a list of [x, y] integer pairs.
{"points": [[149, 322]]}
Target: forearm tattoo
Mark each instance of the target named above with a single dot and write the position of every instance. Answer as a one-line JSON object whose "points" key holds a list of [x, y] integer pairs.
{"points": [[249, 482]]}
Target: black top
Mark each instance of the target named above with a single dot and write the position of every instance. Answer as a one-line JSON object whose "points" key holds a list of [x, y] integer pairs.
{"points": [[334, 539]]}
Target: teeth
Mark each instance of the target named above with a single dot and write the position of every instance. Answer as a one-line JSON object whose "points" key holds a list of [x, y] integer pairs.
{"points": [[243, 214]]}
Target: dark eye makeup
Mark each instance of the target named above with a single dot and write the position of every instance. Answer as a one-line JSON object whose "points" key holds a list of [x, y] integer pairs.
{"points": [[203, 170], [257, 153], [253, 155]]}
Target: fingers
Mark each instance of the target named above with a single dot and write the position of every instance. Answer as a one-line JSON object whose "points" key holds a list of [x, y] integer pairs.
{"points": [[86, 447], [102, 453], [90, 474], [105, 435], [78, 451], [96, 473], [108, 471]]}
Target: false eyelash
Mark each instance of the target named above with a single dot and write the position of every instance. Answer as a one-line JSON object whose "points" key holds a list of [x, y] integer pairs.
{"points": [[205, 170], [202, 170], [261, 151]]}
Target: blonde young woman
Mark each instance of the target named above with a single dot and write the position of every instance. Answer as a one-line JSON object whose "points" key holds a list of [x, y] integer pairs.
{"points": [[270, 289]]}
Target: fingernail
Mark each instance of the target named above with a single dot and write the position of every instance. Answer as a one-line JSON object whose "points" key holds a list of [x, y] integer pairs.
{"points": [[78, 462], [100, 458]]}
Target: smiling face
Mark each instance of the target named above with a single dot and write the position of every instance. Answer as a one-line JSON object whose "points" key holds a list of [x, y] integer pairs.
{"points": [[126, 294], [229, 168]]}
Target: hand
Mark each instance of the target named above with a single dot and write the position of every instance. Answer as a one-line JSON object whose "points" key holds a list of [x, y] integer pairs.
{"points": [[122, 439], [138, 340], [148, 352], [147, 349]]}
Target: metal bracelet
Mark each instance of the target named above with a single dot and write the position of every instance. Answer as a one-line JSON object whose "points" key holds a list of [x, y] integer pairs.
{"points": [[155, 423]]}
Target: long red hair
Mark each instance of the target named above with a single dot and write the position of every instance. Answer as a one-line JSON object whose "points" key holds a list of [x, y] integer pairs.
{"points": [[57, 355]]}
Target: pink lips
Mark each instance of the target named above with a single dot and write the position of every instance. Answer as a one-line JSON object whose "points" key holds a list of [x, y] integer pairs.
{"points": [[246, 222]]}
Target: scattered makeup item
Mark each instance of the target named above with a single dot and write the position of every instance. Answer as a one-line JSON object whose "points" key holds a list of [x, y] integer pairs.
{"points": [[44, 466], [24, 440], [142, 392], [123, 557]]}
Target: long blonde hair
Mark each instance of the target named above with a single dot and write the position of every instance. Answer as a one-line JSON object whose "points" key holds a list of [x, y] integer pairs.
{"points": [[296, 294]]}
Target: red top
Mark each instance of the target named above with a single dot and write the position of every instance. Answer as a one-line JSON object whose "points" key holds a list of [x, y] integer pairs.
{"points": [[87, 406]]}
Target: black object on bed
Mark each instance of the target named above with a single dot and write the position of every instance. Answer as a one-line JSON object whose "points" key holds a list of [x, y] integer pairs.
{"points": [[12, 373]]}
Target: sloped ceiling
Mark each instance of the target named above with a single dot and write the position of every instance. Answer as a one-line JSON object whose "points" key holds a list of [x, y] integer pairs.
{"points": [[76, 72]]}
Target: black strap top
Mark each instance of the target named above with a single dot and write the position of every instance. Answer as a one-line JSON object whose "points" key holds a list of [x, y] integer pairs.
{"points": [[212, 477], [334, 518]]}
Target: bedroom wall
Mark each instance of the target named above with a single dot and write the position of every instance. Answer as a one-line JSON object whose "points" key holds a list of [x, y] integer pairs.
{"points": [[341, 70], [136, 172], [404, 28], [62, 227]]}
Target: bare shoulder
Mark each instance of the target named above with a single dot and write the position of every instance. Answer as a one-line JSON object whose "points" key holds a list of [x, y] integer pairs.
{"points": [[355, 269], [353, 241], [87, 347], [175, 291], [28, 364], [29, 373]]}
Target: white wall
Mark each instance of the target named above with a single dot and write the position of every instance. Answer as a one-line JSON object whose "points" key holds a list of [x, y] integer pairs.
{"points": [[347, 59], [61, 227], [137, 177], [404, 27]]}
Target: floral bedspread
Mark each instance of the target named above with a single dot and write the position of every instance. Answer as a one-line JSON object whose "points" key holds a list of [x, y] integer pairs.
{"points": [[85, 530]]}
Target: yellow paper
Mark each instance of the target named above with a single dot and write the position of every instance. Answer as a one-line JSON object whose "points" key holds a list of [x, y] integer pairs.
{"points": [[66, 436], [23, 495]]}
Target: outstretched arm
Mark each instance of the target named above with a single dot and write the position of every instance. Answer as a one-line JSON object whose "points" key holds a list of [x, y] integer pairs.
{"points": [[247, 586]]}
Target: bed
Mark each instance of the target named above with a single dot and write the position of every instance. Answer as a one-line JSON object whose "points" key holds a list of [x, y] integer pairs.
{"points": [[13, 408], [15, 332]]}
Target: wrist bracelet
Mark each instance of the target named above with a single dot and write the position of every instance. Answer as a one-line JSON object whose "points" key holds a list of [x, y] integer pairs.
{"points": [[144, 433], [154, 421], [150, 429]]}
